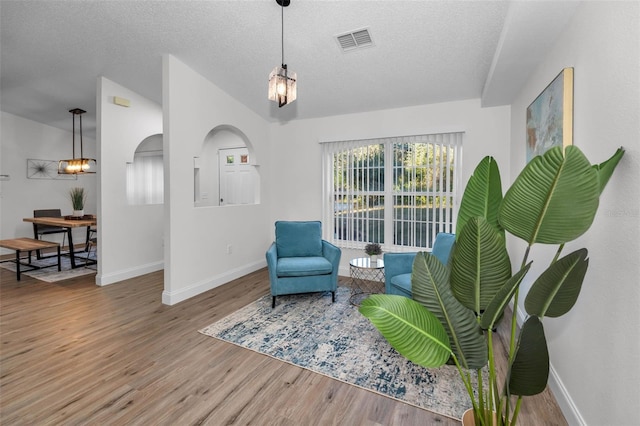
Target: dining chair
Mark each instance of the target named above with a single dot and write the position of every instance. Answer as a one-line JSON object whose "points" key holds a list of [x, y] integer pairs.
{"points": [[92, 243], [40, 230]]}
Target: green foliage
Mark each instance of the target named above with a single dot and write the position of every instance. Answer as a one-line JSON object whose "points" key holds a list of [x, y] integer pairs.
{"points": [[484, 192], [552, 201], [373, 249], [529, 371], [481, 264], [605, 170], [495, 309], [430, 288], [78, 197], [556, 290], [396, 316]]}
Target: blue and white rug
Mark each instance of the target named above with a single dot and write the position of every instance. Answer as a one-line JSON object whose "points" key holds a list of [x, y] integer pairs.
{"points": [[335, 340]]}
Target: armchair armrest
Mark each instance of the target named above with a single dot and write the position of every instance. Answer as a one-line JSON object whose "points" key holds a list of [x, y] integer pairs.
{"points": [[272, 261], [332, 253]]}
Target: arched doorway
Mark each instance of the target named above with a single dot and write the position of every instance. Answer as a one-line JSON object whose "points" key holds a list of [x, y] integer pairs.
{"points": [[226, 172]]}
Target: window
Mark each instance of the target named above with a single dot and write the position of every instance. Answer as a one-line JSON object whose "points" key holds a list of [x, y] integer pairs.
{"points": [[399, 192]]}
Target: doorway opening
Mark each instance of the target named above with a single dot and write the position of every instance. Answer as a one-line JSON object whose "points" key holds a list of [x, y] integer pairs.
{"points": [[226, 172]]}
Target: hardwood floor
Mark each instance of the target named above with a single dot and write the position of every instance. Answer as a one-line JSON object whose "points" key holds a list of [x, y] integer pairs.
{"points": [[75, 353]]}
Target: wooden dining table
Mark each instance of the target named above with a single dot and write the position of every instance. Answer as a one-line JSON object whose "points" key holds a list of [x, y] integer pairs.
{"points": [[68, 223]]}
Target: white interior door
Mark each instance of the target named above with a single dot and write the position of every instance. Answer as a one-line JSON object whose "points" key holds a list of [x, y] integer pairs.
{"points": [[236, 182]]}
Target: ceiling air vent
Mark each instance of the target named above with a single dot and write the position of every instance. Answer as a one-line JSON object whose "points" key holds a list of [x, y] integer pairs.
{"points": [[355, 40]]}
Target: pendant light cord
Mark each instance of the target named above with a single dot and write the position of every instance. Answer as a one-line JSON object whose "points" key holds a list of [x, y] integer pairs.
{"points": [[282, 29], [73, 154], [81, 153]]}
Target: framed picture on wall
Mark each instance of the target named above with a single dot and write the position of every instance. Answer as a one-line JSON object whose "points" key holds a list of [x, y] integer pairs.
{"points": [[46, 169], [550, 116]]}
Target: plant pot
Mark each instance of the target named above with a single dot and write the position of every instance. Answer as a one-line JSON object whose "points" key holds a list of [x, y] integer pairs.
{"points": [[373, 258], [78, 213], [469, 420]]}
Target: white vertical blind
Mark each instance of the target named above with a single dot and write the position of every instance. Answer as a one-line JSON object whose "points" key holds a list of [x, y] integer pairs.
{"points": [[398, 191]]}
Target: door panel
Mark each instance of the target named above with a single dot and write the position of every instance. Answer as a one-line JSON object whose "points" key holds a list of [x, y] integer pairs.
{"points": [[236, 179]]}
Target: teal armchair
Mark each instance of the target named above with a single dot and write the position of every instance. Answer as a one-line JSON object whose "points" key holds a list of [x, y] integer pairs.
{"points": [[300, 261], [398, 266]]}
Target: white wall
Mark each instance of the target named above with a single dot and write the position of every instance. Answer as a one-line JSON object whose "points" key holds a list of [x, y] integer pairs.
{"points": [[296, 152], [197, 238], [23, 139], [595, 348], [130, 236]]}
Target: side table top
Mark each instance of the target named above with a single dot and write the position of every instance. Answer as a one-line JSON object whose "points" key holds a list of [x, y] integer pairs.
{"points": [[367, 263]]}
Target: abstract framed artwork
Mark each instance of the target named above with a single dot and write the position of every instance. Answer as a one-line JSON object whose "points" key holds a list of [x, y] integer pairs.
{"points": [[550, 116], [46, 169]]}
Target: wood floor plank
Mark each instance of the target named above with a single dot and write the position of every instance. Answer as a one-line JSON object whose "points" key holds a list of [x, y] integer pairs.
{"points": [[75, 353]]}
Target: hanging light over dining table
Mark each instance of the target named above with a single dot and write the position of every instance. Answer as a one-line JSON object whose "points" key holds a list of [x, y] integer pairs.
{"points": [[77, 165], [282, 82]]}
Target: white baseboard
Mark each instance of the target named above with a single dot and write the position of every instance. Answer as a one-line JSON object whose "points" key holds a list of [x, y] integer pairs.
{"points": [[125, 274], [560, 393], [173, 297]]}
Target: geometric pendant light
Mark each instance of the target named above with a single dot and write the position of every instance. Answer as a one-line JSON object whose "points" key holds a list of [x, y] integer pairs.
{"points": [[77, 165], [282, 82]]}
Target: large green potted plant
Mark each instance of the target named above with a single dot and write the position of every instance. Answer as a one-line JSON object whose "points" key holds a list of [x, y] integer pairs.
{"points": [[455, 308]]}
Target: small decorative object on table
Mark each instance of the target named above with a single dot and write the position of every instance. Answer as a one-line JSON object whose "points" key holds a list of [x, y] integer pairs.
{"points": [[78, 197], [373, 250]]}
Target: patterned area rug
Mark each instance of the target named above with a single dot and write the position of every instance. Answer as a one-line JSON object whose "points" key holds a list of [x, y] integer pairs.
{"points": [[51, 274], [334, 339]]}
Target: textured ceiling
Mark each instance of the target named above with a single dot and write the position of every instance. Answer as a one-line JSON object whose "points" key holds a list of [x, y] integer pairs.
{"points": [[52, 52]]}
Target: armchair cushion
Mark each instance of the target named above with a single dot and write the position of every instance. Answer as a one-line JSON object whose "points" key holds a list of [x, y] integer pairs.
{"points": [[303, 266], [299, 239], [397, 272], [401, 284]]}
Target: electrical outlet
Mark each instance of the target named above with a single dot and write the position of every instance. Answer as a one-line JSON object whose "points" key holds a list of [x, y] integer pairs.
{"points": [[229, 249]]}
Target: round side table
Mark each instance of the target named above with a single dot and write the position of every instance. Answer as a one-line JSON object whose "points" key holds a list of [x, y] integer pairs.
{"points": [[367, 277]]}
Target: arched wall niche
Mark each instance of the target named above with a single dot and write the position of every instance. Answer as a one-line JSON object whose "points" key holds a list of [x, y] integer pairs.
{"points": [[145, 173], [226, 171]]}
